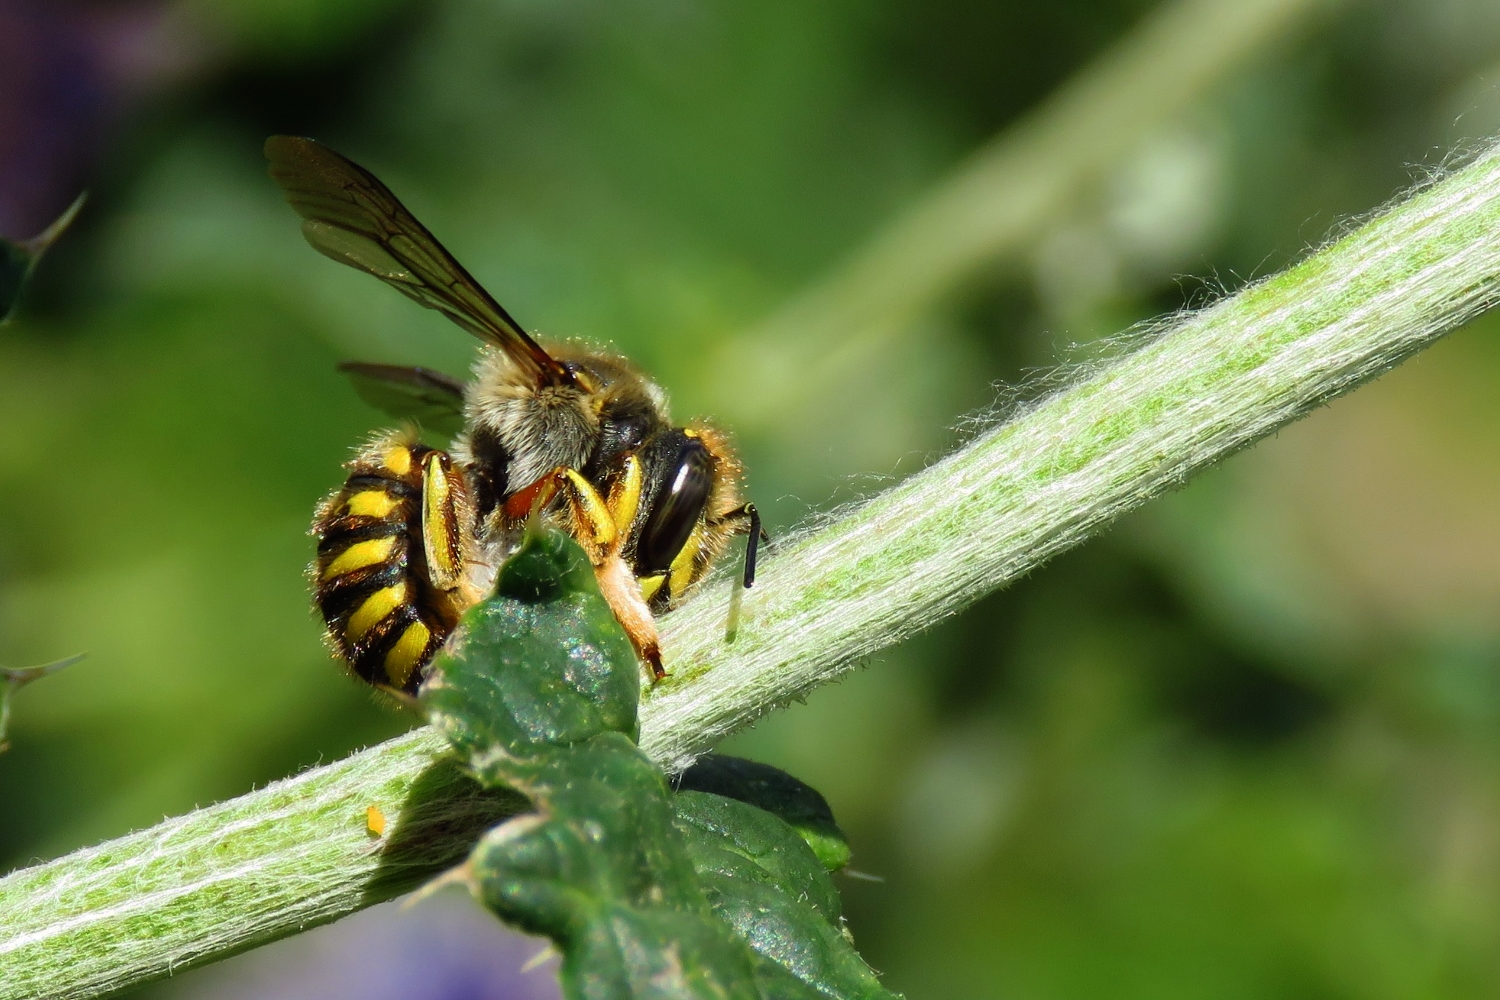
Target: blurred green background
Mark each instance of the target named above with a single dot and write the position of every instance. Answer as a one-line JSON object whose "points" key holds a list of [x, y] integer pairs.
{"points": [[1245, 745]]}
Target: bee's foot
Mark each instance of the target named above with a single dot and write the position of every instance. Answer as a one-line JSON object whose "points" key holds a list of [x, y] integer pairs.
{"points": [[653, 660]]}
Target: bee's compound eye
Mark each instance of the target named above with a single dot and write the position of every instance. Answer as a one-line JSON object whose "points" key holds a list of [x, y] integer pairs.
{"points": [[675, 509]]}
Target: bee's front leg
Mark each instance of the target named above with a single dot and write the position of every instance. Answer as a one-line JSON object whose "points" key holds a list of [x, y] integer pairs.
{"points": [[601, 525]]}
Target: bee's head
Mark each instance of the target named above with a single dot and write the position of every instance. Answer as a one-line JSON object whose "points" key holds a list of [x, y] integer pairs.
{"points": [[630, 410]]}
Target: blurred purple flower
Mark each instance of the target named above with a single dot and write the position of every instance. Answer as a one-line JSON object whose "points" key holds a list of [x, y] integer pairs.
{"points": [[443, 948], [69, 71]]}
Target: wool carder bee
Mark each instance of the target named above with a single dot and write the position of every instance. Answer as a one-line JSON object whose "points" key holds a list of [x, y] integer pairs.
{"points": [[564, 432]]}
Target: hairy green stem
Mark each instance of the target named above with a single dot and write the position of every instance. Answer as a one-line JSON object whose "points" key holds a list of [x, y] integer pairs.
{"points": [[1207, 385], [299, 852]]}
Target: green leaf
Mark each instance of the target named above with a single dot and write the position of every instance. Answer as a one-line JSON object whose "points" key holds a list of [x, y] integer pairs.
{"points": [[735, 838], [777, 792], [602, 870], [19, 260], [648, 894], [541, 662], [764, 880]]}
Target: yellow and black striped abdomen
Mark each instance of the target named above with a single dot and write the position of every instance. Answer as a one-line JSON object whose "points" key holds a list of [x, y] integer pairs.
{"points": [[370, 579]]}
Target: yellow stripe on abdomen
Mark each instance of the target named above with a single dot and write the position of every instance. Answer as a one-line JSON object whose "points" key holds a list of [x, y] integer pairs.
{"points": [[359, 555], [372, 503], [388, 601], [373, 611], [406, 654], [397, 459]]}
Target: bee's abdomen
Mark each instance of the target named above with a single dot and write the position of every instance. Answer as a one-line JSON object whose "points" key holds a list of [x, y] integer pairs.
{"points": [[370, 578]]}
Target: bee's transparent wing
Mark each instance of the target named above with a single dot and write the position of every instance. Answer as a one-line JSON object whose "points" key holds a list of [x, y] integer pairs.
{"points": [[432, 399], [353, 218]]}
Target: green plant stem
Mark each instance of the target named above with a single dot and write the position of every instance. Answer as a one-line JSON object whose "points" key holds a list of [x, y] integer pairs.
{"points": [[1002, 198], [297, 853]]}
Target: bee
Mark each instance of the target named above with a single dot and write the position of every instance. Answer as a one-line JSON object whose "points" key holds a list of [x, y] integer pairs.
{"points": [[564, 432]]}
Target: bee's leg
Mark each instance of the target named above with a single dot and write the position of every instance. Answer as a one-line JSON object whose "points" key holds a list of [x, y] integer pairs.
{"points": [[747, 513], [446, 512], [601, 527], [593, 523], [625, 498], [623, 594]]}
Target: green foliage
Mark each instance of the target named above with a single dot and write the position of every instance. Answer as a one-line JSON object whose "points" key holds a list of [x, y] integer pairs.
{"points": [[540, 663], [13, 679], [19, 260], [647, 892], [774, 892], [280, 30], [777, 792]]}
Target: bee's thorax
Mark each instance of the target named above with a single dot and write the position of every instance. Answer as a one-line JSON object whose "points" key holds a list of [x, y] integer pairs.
{"points": [[519, 431]]}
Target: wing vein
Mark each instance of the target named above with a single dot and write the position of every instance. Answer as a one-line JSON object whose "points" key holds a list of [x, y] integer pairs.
{"points": [[354, 219]]}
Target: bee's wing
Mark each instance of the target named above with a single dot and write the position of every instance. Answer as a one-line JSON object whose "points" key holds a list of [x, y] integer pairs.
{"points": [[432, 399], [353, 218]]}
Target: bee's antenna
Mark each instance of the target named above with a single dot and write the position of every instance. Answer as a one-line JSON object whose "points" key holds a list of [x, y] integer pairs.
{"points": [[752, 545]]}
